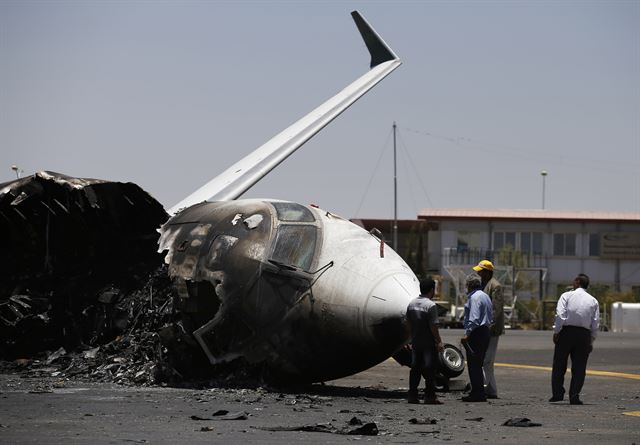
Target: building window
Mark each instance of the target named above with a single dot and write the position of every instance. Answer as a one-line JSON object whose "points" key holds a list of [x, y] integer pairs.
{"points": [[531, 242], [594, 244], [469, 240], [564, 244], [525, 242], [504, 239]]}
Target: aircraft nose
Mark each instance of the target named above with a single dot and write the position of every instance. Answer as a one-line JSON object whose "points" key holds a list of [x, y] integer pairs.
{"points": [[386, 310]]}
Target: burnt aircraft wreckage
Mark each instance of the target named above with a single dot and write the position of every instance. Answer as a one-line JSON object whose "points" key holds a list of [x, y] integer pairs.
{"points": [[70, 247], [299, 291], [304, 291]]}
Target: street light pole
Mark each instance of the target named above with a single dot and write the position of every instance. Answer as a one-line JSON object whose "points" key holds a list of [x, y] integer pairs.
{"points": [[543, 173]]}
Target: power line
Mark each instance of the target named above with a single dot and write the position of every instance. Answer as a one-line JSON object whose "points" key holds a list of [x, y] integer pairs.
{"points": [[469, 144], [366, 191], [413, 164]]}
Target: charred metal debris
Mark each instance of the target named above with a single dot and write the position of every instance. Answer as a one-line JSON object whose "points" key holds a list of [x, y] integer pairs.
{"points": [[241, 271], [84, 291]]}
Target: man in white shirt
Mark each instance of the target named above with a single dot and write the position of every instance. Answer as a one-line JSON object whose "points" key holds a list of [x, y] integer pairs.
{"points": [[576, 327]]}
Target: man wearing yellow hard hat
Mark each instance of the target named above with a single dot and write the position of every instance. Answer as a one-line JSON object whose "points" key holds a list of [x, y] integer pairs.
{"points": [[492, 287]]}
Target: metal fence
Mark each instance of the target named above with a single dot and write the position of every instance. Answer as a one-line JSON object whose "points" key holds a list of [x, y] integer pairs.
{"points": [[453, 256]]}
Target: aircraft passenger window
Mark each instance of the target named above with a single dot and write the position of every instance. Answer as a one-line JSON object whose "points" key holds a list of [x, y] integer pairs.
{"points": [[295, 245], [290, 211]]}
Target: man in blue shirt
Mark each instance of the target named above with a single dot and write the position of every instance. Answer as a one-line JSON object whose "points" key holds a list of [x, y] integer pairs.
{"points": [[478, 316]]}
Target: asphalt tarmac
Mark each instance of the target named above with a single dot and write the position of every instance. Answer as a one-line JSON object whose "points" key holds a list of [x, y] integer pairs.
{"points": [[49, 410]]}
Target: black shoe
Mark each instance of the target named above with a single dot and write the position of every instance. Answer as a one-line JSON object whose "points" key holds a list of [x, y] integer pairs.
{"points": [[492, 396], [473, 399], [575, 401], [556, 399]]}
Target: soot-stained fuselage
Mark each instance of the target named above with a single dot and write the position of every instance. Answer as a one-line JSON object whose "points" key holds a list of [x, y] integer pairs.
{"points": [[309, 294]]}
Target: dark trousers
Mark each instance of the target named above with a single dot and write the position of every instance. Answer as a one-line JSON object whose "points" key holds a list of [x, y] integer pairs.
{"points": [[575, 342], [476, 349], [423, 364]]}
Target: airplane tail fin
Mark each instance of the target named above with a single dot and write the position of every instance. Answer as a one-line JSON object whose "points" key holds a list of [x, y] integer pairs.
{"points": [[242, 175]]}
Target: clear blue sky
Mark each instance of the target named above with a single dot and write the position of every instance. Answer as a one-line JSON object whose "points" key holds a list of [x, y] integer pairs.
{"points": [[168, 94]]}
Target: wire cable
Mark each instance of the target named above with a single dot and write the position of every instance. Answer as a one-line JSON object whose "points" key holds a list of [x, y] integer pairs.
{"points": [[469, 144], [366, 191], [413, 165]]}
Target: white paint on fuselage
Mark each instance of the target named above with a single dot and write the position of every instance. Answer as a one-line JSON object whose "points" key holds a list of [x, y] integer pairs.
{"points": [[380, 288]]}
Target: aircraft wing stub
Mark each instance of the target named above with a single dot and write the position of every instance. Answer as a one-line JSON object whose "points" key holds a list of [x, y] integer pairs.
{"points": [[242, 175]]}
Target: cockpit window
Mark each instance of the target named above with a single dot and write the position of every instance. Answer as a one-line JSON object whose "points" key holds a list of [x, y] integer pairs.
{"points": [[290, 211], [295, 245], [219, 249]]}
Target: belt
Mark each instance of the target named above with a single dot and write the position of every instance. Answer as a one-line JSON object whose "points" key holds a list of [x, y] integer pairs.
{"points": [[575, 327]]}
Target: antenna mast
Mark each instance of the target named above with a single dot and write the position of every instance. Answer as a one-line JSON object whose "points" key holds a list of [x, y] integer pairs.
{"points": [[395, 193]]}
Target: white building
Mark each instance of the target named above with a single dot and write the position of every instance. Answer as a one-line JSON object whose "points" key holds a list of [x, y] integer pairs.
{"points": [[558, 244]]}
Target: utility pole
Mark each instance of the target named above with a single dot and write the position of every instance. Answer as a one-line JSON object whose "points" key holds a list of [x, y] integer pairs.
{"points": [[543, 173], [395, 193]]}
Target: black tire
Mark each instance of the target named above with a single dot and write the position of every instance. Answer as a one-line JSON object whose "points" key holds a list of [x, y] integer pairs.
{"points": [[451, 361]]}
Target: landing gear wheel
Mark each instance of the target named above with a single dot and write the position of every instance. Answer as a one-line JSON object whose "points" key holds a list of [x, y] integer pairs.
{"points": [[451, 362]]}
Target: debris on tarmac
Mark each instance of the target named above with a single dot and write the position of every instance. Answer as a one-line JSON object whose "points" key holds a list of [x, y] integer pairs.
{"points": [[424, 421], [149, 345], [227, 416], [368, 429], [233, 416], [317, 428], [199, 418], [521, 422]]}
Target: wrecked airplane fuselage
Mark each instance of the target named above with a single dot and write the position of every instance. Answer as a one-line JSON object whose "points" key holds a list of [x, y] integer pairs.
{"points": [[56, 228], [70, 249], [296, 289], [307, 293]]}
